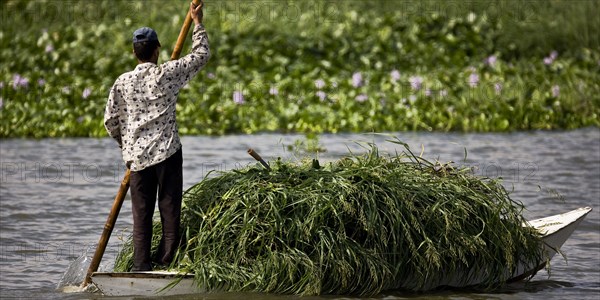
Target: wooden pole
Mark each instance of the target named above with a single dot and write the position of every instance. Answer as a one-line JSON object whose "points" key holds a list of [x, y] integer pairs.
{"points": [[122, 192], [108, 228], [187, 23], [259, 159]]}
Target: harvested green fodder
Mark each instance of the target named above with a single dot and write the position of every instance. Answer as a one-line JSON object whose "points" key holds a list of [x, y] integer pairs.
{"points": [[360, 225]]}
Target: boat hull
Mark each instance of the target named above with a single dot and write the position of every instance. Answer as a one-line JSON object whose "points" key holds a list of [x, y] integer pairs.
{"points": [[153, 283], [554, 229]]}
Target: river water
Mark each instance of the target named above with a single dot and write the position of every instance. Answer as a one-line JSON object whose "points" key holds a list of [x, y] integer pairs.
{"points": [[55, 195]]}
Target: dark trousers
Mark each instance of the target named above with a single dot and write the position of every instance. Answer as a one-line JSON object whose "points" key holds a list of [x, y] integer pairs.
{"points": [[167, 178]]}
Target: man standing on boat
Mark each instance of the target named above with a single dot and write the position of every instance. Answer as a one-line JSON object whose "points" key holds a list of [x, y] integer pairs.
{"points": [[140, 116]]}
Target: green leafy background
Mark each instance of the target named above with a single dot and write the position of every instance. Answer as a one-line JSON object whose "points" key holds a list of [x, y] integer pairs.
{"points": [[59, 59]]}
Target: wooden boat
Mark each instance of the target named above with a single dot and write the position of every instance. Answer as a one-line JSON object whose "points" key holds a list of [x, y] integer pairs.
{"points": [[554, 229]]}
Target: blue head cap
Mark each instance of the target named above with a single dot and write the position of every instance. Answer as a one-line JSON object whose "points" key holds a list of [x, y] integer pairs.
{"points": [[145, 34]]}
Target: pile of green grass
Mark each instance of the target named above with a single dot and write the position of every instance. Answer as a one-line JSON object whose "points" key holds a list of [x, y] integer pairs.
{"points": [[360, 225]]}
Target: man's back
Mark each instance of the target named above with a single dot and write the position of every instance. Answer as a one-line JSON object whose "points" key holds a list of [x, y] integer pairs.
{"points": [[140, 113]]}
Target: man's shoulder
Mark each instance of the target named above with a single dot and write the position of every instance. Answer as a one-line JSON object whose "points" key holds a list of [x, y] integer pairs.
{"points": [[127, 76]]}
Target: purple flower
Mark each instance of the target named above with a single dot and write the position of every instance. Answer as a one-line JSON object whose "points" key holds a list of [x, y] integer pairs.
{"points": [[41, 82], [362, 98], [49, 48], [357, 79], [395, 75], [427, 92], [443, 93], [491, 60], [238, 97], [498, 88], [415, 82], [66, 89], [211, 75], [319, 83], [335, 84], [16, 79], [321, 95], [555, 91], [1, 102], [473, 80], [86, 93], [19, 81], [273, 91], [1, 84], [550, 58]]}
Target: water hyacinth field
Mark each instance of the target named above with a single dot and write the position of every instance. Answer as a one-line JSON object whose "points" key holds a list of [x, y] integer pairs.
{"points": [[312, 66]]}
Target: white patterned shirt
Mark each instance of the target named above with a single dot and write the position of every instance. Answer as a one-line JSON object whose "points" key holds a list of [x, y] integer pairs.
{"points": [[140, 112]]}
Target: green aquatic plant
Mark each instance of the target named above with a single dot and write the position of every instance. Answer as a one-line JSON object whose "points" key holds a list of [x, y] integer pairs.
{"points": [[336, 66], [359, 225]]}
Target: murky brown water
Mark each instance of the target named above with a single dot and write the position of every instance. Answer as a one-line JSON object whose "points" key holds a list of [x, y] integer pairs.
{"points": [[55, 195]]}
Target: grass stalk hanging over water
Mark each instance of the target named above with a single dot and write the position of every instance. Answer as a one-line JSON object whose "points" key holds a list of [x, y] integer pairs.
{"points": [[360, 225]]}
